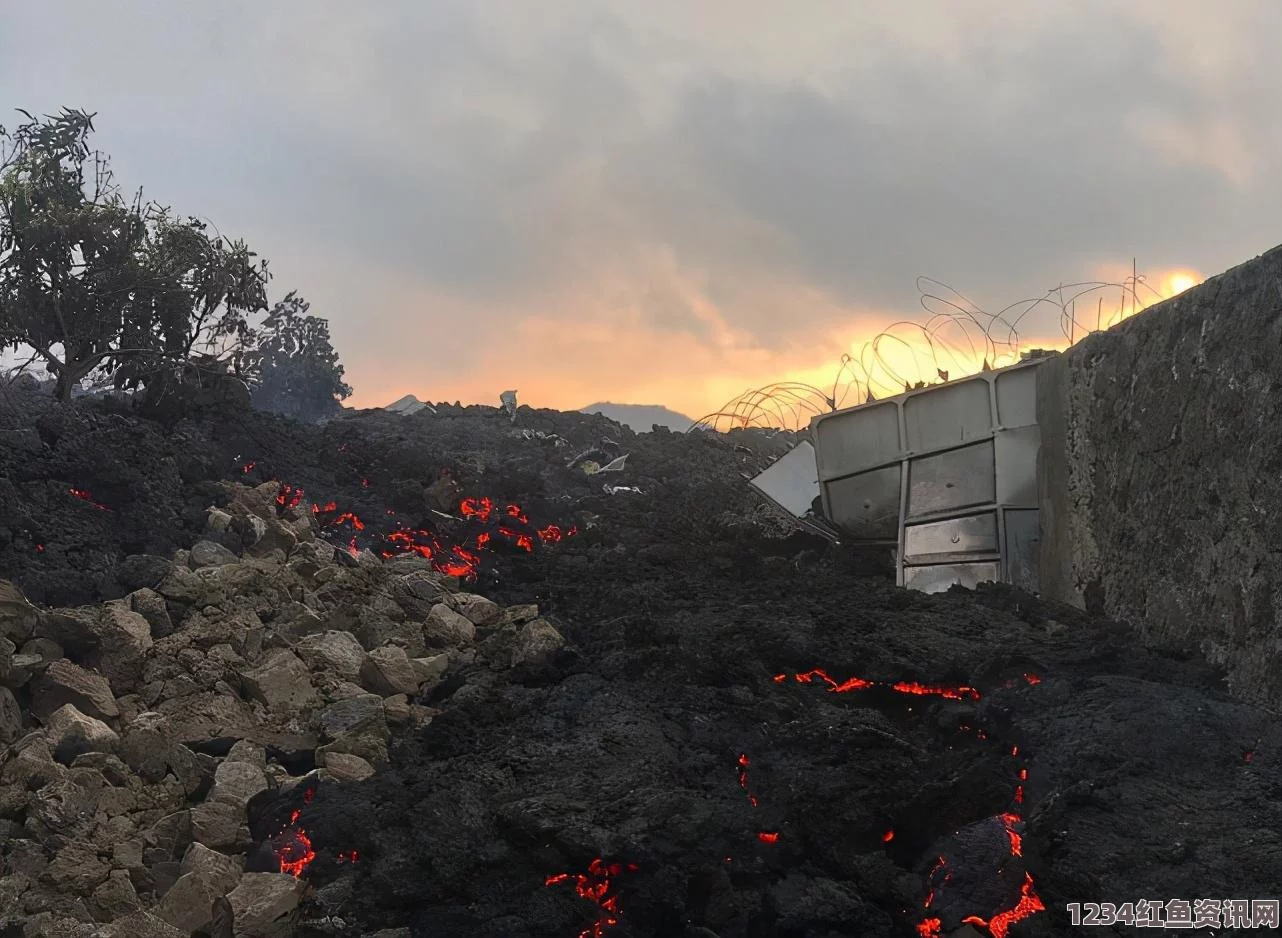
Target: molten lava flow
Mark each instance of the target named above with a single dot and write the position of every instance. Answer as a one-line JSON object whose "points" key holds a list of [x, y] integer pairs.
{"points": [[1000, 923], [940, 864], [743, 762], [295, 853], [289, 496], [461, 560], [594, 885], [478, 508], [350, 517], [84, 496], [930, 928], [768, 837], [293, 846], [1009, 820], [960, 692], [854, 683], [924, 690], [248, 467], [348, 856], [523, 541]]}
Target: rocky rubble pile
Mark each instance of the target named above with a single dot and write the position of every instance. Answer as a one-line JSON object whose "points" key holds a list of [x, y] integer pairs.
{"points": [[138, 735]]}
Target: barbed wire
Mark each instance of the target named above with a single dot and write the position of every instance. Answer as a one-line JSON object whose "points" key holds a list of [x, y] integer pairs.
{"points": [[957, 339]]}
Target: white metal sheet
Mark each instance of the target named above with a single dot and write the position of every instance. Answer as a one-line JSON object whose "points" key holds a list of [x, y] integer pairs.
{"points": [[938, 578], [847, 441], [792, 481], [1023, 544], [866, 506], [959, 478], [971, 534], [1017, 397], [948, 415], [1015, 452]]}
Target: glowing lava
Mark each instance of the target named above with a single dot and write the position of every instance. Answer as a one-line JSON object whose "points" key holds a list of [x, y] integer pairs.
{"points": [[293, 846], [743, 762], [594, 885], [932, 926], [960, 692], [768, 837], [289, 496], [296, 852], [1000, 923], [460, 560], [84, 496]]}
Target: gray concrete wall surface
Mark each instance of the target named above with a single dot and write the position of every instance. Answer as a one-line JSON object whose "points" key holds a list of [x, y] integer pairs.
{"points": [[1161, 474]]}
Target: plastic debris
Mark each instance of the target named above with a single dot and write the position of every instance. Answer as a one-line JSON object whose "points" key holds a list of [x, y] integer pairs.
{"points": [[508, 400], [557, 440]]}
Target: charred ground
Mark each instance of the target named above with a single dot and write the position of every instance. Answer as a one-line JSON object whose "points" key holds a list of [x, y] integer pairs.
{"points": [[684, 605]]}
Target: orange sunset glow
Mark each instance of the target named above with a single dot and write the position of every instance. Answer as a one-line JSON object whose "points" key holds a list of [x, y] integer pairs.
{"points": [[622, 360]]}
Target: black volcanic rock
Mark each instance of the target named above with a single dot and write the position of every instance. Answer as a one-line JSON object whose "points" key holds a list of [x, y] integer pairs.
{"points": [[689, 611]]}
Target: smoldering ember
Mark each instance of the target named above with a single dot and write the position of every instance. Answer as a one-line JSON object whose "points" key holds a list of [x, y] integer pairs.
{"points": [[425, 674]]}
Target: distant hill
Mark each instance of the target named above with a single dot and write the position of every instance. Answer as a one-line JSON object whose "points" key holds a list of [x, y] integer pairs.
{"points": [[641, 417], [409, 404]]}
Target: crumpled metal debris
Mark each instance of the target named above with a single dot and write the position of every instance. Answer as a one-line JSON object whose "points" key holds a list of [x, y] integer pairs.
{"points": [[592, 461], [591, 467], [508, 400], [557, 440]]}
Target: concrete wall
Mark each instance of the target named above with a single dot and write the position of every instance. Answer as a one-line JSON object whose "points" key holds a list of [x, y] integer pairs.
{"points": [[1161, 474]]}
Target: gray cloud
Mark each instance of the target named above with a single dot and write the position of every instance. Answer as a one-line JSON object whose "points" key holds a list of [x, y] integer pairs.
{"points": [[510, 158]]}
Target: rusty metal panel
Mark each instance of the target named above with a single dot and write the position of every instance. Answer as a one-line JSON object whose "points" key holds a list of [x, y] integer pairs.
{"points": [[945, 540], [938, 578], [948, 415], [958, 478], [1016, 465], [866, 506], [1016, 397], [1023, 543], [848, 441]]}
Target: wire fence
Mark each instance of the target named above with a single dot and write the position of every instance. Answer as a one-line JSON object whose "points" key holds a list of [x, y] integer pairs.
{"points": [[955, 340]]}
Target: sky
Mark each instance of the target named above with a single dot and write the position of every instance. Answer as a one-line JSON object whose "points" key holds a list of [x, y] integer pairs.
{"points": [[672, 202]]}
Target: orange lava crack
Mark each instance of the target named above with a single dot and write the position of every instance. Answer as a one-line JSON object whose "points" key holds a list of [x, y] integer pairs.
{"points": [[294, 850], [932, 926], [594, 885], [960, 692], [461, 560]]}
